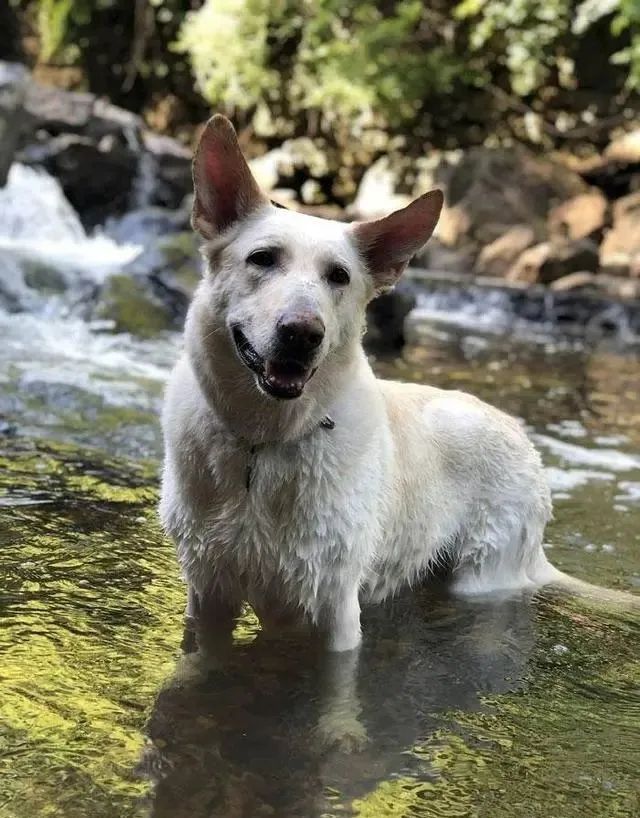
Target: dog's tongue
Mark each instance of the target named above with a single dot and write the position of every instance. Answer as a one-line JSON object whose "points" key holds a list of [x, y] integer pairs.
{"points": [[288, 378]]}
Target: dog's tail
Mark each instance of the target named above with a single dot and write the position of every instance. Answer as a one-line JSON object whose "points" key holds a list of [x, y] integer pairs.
{"points": [[554, 578]]}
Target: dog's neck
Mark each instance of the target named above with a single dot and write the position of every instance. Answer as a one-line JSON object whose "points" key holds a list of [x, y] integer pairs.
{"points": [[254, 418]]}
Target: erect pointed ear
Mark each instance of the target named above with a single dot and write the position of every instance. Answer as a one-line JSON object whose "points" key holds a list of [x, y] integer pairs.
{"points": [[388, 244], [225, 190]]}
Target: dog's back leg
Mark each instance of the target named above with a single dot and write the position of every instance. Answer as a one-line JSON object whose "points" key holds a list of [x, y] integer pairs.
{"points": [[503, 551]]}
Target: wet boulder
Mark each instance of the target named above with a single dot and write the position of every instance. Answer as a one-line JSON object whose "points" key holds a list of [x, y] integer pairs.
{"points": [[14, 80], [129, 304], [169, 170], [58, 111], [99, 180], [386, 317]]}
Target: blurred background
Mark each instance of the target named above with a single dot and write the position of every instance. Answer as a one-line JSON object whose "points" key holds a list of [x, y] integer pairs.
{"points": [[527, 113]]}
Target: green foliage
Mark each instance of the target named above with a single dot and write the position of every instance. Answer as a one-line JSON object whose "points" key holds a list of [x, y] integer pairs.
{"points": [[628, 19], [526, 32], [52, 24], [339, 59], [450, 70], [345, 61]]}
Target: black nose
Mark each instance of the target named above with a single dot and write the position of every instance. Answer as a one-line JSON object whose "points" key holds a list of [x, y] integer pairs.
{"points": [[300, 334]]}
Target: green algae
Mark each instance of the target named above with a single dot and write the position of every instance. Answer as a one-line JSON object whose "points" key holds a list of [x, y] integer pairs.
{"points": [[566, 745], [182, 258], [132, 308], [91, 611]]}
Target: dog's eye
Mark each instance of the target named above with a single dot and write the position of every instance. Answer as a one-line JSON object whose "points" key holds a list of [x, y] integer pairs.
{"points": [[262, 258], [338, 275]]}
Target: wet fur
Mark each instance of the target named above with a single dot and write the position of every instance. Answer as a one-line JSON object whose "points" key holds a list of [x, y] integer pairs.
{"points": [[410, 477]]}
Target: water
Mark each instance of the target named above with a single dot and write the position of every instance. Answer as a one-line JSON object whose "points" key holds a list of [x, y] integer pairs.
{"points": [[525, 707], [44, 249]]}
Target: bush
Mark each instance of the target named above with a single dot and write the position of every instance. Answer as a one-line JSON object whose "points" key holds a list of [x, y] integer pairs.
{"points": [[448, 71], [345, 64]]}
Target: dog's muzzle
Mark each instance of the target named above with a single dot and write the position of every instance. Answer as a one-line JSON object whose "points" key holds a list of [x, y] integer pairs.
{"points": [[283, 376]]}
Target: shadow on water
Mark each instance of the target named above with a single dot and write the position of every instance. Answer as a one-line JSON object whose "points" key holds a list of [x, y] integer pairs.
{"points": [[443, 689], [279, 728]]}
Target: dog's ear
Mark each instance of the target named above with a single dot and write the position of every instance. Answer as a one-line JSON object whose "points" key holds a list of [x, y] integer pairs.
{"points": [[388, 244], [225, 191]]}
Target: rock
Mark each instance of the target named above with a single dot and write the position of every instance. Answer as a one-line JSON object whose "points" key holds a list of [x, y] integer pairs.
{"points": [[617, 171], [170, 264], [265, 169], [386, 315], [58, 111], [148, 226], [498, 256], [294, 164], [132, 306], [583, 216], [620, 249], [14, 80], [436, 256], [569, 257], [616, 287], [172, 168], [113, 121], [393, 180], [574, 281], [490, 190], [625, 149], [377, 192], [526, 268], [176, 279], [549, 261], [98, 180]]}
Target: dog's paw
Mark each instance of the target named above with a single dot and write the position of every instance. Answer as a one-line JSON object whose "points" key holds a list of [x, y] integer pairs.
{"points": [[337, 731]]}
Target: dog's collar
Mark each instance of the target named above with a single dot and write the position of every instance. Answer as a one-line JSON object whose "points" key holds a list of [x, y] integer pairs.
{"points": [[326, 423]]}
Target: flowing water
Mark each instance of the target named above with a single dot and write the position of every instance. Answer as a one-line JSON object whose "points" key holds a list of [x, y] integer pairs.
{"points": [[514, 708]]}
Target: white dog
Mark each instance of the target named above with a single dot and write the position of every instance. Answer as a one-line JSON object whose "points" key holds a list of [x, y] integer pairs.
{"points": [[296, 480]]}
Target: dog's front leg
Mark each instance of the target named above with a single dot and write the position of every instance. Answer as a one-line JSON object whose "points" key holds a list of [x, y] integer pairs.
{"points": [[339, 725], [211, 619], [344, 621]]}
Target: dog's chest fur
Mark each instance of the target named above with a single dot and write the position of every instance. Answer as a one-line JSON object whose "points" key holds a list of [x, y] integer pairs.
{"points": [[280, 521]]}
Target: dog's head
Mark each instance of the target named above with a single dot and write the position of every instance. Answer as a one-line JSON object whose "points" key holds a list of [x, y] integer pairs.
{"points": [[285, 290]]}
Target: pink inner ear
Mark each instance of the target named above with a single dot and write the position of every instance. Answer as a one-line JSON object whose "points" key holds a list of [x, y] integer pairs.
{"points": [[225, 190], [388, 244]]}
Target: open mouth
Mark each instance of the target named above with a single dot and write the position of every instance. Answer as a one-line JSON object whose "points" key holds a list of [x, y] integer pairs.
{"points": [[283, 379]]}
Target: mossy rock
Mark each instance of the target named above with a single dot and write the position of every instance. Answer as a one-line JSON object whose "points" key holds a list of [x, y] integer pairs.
{"points": [[42, 277], [132, 307], [182, 261]]}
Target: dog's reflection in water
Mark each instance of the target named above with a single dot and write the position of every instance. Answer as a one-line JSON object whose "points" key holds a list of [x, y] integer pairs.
{"points": [[280, 728]]}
